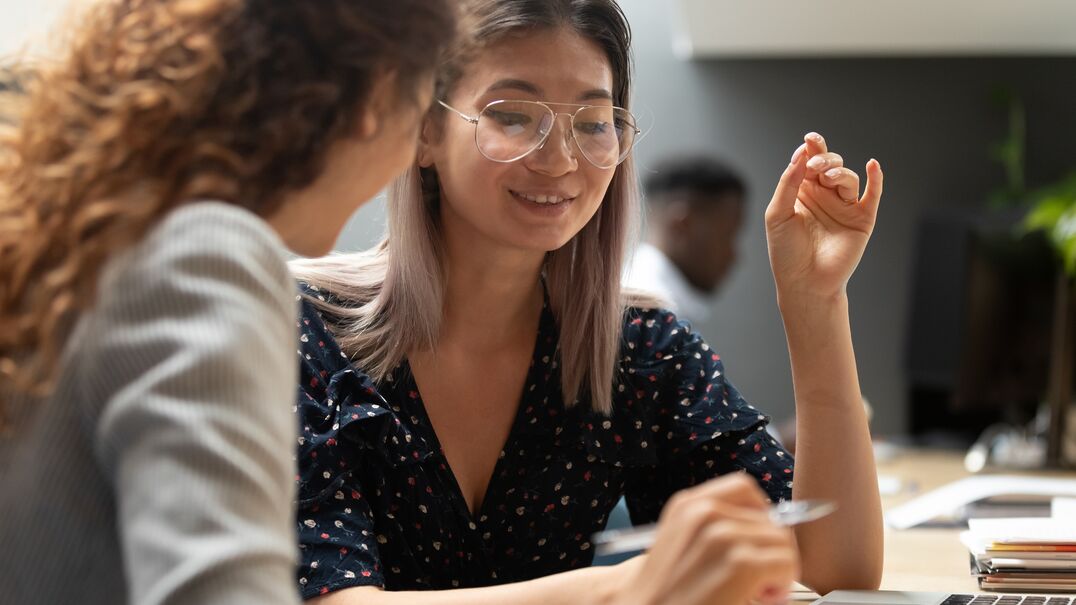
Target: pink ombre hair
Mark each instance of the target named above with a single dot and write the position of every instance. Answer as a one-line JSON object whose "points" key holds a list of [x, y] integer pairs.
{"points": [[389, 300]]}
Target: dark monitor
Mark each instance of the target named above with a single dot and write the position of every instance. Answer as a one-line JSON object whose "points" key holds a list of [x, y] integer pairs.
{"points": [[979, 330]]}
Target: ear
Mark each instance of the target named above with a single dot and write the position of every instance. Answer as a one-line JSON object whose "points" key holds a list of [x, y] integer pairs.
{"points": [[382, 98], [678, 216], [369, 122]]}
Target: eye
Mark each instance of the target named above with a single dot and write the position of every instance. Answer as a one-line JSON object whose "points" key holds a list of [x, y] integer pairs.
{"points": [[593, 128], [508, 118]]}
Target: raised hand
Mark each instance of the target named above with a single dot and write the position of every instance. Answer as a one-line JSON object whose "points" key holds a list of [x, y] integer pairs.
{"points": [[817, 225]]}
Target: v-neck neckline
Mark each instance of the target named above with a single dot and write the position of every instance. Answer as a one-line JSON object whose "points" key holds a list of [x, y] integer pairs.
{"points": [[545, 323]]}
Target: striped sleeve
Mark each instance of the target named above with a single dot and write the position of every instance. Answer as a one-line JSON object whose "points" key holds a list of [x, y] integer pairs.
{"points": [[191, 358]]}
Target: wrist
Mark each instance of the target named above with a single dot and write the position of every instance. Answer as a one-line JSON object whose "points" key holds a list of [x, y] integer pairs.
{"points": [[613, 585], [806, 301], [815, 324], [607, 587]]}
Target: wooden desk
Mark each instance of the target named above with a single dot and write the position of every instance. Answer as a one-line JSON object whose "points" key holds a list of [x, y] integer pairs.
{"points": [[925, 559]]}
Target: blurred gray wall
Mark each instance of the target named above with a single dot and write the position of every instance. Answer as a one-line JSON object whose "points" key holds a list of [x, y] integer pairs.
{"points": [[928, 121]]}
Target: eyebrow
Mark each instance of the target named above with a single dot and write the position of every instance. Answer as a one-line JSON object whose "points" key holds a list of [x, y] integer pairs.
{"points": [[510, 84], [596, 93], [527, 87]]}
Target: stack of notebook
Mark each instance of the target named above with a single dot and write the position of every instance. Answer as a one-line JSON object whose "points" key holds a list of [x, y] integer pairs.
{"points": [[1023, 554]]}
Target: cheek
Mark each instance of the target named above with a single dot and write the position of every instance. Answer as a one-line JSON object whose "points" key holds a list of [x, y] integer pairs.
{"points": [[598, 184], [470, 186], [725, 250]]}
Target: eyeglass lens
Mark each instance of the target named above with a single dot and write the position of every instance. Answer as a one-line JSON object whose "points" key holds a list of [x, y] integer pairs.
{"points": [[509, 130]]}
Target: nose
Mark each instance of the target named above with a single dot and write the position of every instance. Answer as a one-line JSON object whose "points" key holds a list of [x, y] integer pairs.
{"points": [[556, 156]]}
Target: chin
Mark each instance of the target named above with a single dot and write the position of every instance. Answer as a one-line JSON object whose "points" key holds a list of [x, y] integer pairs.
{"points": [[548, 238], [312, 249], [537, 243]]}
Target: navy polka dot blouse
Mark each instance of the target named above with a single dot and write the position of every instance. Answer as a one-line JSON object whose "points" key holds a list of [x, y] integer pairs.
{"points": [[378, 504]]}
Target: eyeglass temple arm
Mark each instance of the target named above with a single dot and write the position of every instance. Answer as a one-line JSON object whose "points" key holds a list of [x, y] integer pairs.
{"points": [[471, 119]]}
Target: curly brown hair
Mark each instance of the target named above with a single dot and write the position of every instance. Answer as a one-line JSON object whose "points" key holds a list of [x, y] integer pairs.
{"points": [[160, 102]]}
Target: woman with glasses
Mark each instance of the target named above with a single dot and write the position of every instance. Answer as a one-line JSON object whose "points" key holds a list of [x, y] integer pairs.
{"points": [[477, 392], [149, 183]]}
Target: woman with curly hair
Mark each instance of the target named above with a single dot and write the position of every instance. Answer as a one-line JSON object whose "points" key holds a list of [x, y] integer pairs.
{"points": [[148, 187]]}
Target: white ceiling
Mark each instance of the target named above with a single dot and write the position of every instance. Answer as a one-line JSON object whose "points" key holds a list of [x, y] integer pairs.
{"points": [[25, 25], [835, 28], [768, 28]]}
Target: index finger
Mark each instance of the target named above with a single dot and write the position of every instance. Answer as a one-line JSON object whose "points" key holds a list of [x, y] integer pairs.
{"points": [[737, 489], [816, 144]]}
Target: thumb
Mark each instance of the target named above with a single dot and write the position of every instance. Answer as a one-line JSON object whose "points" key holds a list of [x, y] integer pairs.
{"points": [[783, 205], [872, 194]]}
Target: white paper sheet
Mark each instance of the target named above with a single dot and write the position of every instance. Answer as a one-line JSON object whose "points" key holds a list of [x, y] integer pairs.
{"points": [[1045, 530], [947, 499]]}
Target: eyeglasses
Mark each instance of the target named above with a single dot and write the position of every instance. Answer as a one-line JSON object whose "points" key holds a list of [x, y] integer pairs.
{"points": [[506, 131]]}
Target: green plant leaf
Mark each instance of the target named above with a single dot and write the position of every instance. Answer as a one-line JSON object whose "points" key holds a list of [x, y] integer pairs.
{"points": [[1054, 212], [1064, 238], [1046, 213]]}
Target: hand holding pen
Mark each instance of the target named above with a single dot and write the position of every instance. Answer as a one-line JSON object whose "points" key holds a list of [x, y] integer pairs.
{"points": [[716, 543], [639, 538]]}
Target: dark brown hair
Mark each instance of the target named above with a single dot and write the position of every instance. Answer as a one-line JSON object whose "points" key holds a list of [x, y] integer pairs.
{"points": [[160, 102]]}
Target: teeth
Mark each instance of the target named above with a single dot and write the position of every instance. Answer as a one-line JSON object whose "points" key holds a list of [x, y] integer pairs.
{"points": [[541, 199]]}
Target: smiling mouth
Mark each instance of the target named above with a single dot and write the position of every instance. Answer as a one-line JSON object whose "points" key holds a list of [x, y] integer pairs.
{"points": [[544, 200]]}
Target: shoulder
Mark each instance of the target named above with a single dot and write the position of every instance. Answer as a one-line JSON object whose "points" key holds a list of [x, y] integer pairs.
{"points": [[320, 355], [209, 276], [645, 261], [653, 333], [215, 218], [313, 307], [216, 233], [649, 270], [201, 251], [202, 308]]}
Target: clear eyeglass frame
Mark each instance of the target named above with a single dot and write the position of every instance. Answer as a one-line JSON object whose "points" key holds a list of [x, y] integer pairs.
{"points": [[553, 115]]}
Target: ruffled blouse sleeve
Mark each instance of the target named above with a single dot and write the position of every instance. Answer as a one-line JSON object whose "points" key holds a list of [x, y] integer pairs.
{"points": [[701, 426], [341, 417]]}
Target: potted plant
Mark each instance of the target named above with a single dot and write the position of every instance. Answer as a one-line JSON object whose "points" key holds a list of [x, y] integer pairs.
{"points": [[1054, 213]]}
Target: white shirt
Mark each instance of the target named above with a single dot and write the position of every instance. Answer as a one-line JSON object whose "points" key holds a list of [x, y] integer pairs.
{"points": [[652, 271]]}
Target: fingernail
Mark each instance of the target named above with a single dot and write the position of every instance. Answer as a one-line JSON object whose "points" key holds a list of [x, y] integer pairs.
{"points": [[833, 173], [796, 154], [814, 136], [817, 163], [774, 595]]}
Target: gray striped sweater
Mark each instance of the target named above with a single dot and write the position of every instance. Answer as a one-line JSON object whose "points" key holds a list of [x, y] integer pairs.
{"points": [[161, 470]]}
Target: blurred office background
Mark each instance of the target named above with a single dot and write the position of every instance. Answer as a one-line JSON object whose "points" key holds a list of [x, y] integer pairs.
{"points": [[926, 112], [930, 120]]}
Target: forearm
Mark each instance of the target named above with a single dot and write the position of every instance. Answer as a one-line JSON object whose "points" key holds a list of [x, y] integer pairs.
{"points": [[834, 458], [590, 586]]}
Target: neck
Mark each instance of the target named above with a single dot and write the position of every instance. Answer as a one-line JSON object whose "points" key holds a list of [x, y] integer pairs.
{"points": [[493, 295]]}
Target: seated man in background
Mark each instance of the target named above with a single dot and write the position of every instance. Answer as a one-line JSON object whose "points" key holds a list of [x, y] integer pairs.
{"points": [[695, 208]]}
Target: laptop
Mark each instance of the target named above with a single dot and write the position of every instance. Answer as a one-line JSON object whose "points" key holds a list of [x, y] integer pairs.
{"points": [[890, 597]]}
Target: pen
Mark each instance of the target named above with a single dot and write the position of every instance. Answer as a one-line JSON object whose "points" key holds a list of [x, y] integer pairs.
{"points": [[634, 539]]}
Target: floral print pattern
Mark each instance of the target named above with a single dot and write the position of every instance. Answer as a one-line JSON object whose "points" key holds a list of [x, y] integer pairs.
{"points": [[378, 504]]}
